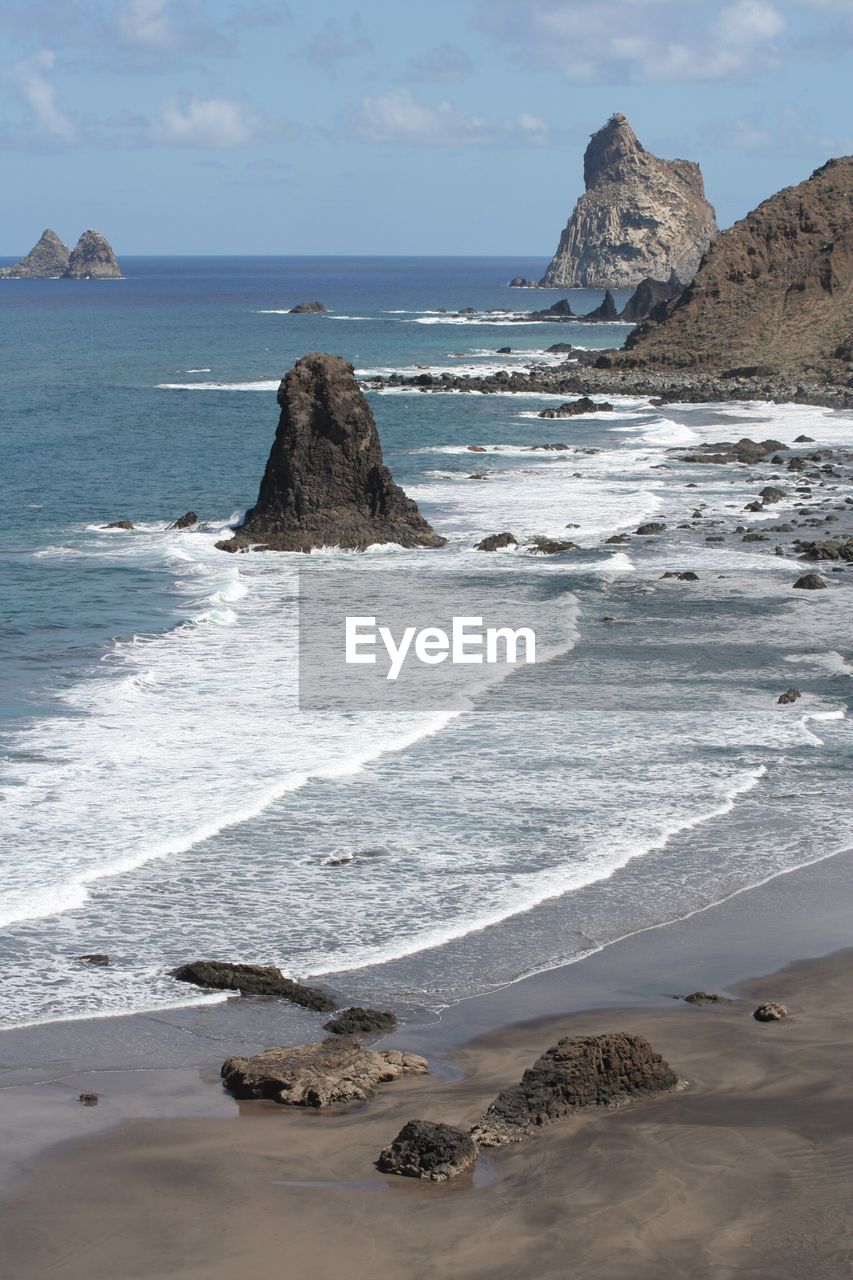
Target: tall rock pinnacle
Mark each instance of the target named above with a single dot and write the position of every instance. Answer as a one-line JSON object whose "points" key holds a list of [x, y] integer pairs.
{"points": [[639, 217], [45, 261], [92, 258], [325, 484]]}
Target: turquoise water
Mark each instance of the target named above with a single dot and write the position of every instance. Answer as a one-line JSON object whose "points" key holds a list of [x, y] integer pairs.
{"points": [[162, 794]]}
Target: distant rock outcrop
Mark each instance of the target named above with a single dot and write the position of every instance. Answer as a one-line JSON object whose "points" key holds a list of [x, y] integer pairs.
{"points": [[325, 483], [640, 216], [582, 1071], [773, 296], [604, 313], [307, 308], [92, 258], [47, 260], [648, 295], [317, 1075]]}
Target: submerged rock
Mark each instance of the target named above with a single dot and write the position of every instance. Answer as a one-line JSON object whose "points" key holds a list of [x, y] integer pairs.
{"points": [[770, 1013], [495, 541], [606, 1070], [423, 1149], [705, 997], [810, 582], [360, 1022], [98, 958], [47, 260], [325, 483], [336, 1070], [88, 1099], [791, 695], [118, 524], [92, 258], [577, 408], [253, 980]]}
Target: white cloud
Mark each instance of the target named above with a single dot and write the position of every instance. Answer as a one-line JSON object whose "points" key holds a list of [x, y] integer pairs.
{"points": [[29, 77], [337, 40], [206, 122], [443, 62], [638, 39], [398, 117], [146, 23]]}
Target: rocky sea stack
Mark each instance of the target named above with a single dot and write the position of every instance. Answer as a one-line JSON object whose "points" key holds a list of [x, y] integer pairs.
{"points": [[325, 483], [774, 295], [47, 260], [92, 258], [640, 216]]}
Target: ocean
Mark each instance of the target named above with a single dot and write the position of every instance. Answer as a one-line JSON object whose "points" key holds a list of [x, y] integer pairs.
{"points": [[164, 796]]}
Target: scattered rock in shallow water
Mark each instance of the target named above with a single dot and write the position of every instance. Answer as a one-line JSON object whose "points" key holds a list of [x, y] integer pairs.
{"points": [[337, 1070], [689, 576], [495, 541], [577, 408], [581, 1071], [184, 522], [550, 546], [617, 538], [476, 448], [360, 1022], [88, 1099], [504, 351], [653, 526], [118, 524], [95, 958], [253, 980], [727, 451], [423, 1149], [559, 349], [804, 440], [705, 997], [771, 494], [810, 582], [307, 308], [791, 695], [770, 1013]]}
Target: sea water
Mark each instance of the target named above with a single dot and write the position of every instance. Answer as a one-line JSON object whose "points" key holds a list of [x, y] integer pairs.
{"points": [[164, 796]]}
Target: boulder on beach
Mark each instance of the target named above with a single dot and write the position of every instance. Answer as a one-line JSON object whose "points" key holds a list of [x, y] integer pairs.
{"points": [[336, 1070], [424, 1149], [605, 1070], [360, 1022], [307, 308], [325, 483], [495, 541], [253, 980], [770, 1012], [705, 997]]}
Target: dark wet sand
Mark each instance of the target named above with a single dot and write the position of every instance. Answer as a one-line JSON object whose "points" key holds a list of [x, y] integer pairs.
{"points": [[746, 1174]]}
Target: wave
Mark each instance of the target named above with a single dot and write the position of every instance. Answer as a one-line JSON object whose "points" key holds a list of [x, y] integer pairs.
{"points": [[265, 384]]}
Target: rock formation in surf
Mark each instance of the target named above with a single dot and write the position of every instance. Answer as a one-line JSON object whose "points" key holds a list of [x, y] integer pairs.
{"points": [[253, 980], [47, 260], [325, 483], [640, 216], [92, 258], [582, 1071], [774, 294]]}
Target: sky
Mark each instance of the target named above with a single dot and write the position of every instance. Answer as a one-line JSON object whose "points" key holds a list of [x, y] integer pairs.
{"points": [[394, 126]]}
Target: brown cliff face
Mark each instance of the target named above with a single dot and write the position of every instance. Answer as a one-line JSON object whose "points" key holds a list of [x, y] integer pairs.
{"points": [[325, 483], [640, 216], [774, 293]]}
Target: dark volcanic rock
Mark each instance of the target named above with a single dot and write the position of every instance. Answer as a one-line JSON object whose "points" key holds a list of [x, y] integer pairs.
{"points": [[605, 312], [495, 541], [771, 494], [647, 297], [47, 260], [770, 1013], [728, 451], [423, 1149], [325, 483], [119, 524], [577, 408], [810, 582], [582, 1071], [773, 294], [559, 348], [318, 1075], [88, 1099], [550, 546], [253, 980], [360, 1022], [653, 526], [184, 522], [307, 308], [559, 311], [520, 282], [791, 695], [504, 351], [640, 216], [705, 997], [98, 958], [92, 258]]}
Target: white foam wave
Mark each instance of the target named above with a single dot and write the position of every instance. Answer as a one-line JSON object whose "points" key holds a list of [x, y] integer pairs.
{"points": [[265, 384]]}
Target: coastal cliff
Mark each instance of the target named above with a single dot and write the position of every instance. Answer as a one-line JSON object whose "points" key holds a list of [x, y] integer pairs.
{"points": [[773, 296], [639, 217], [325, 483]]}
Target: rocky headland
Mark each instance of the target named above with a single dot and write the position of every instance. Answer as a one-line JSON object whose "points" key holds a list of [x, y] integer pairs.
{"points": [[325, 483], [640, 216], [91, 258]]}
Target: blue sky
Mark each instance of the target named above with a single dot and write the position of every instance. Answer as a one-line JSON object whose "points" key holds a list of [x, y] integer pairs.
{"points": [[458, 126]]}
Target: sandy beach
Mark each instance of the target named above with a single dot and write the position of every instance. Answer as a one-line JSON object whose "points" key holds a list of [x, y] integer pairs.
{"points": [[743, 1174]]}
